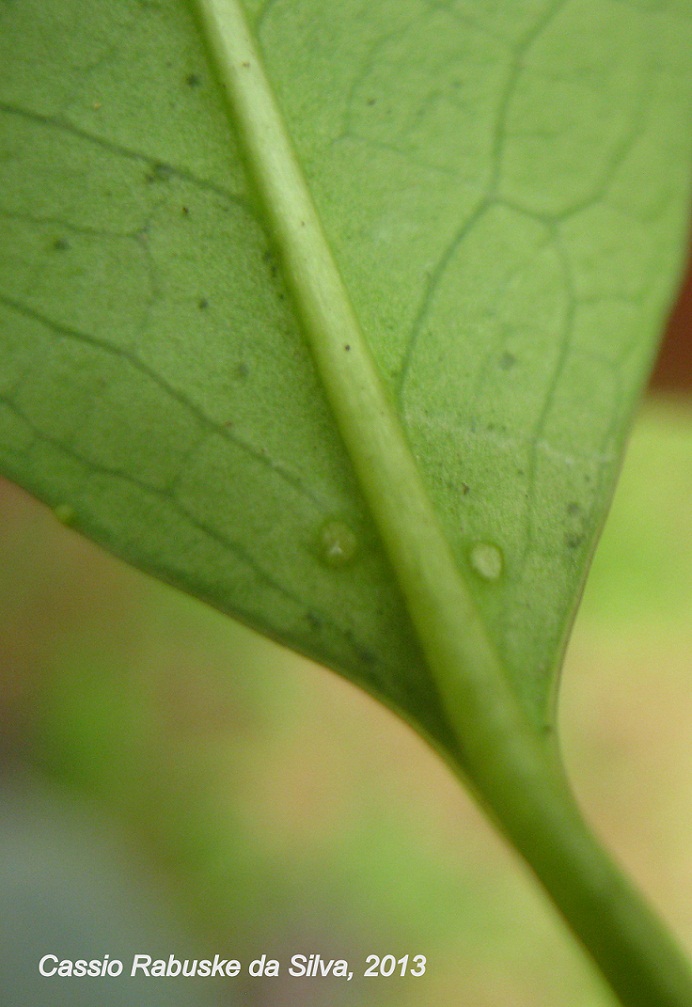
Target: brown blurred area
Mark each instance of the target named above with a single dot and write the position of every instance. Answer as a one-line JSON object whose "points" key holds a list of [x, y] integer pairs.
{"points": [[673, 371]]}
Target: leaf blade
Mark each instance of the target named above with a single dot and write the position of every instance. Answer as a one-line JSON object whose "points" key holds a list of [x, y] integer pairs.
{"points": [[161, 285]]}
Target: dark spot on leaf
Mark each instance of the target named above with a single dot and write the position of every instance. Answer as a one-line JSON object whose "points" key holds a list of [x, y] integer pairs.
{"points": [[61, 244], [573, 541], [465, 489], [573, 509], [507, 361], [160, 172], [314, 619], [185, 210], [371, 101], [366, 655], [202, 303], [347, 347], [193, 80], [270, 259], [241, 371]]}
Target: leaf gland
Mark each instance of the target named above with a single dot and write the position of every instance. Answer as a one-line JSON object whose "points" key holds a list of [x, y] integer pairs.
{"points": [[487, 561], [338, 543]]}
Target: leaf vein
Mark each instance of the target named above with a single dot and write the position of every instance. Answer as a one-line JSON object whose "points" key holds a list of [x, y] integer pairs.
{"points": [[205, 421]]}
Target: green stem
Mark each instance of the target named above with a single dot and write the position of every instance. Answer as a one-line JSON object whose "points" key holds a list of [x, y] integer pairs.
{"points": [[503, 756], [629, 944]]}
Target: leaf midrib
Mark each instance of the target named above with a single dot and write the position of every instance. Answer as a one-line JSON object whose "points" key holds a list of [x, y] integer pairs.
{"points": [[472, 683]]}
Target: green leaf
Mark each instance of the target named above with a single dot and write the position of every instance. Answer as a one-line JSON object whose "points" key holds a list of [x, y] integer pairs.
{"points": [[338, 321], [504, 192]]}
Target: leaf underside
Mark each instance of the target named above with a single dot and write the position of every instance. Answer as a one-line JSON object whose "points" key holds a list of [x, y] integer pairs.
{"points": [[504, 187]]}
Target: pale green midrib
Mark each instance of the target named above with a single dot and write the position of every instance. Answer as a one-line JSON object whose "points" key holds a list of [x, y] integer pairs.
{"points": [[462, 658]]}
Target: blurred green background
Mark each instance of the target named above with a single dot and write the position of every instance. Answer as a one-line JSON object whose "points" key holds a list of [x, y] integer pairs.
{"points": [[265, 805]]}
